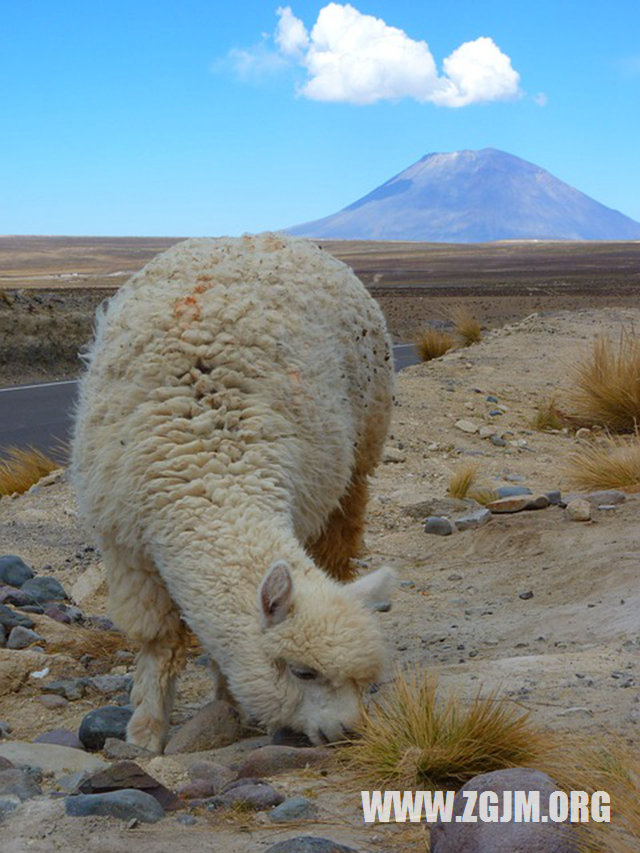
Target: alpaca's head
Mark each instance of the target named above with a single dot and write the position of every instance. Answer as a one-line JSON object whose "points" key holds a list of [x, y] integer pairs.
{"points": [[320, 647]]}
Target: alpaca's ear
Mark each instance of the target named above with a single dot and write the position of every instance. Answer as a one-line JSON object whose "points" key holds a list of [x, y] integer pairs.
{"points": [[275, 595], [375, 589]]}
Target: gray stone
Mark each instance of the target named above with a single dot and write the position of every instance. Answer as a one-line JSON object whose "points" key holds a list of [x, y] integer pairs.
{"points": [[12, 595], [70, 782], [52, 701], [111, 683], [3, 637], [187, 819], [467, 426], [101, 723], [57, 614], [71, 688], [8, 805], [474, 519], [208, 779], [216, 724], [512, 491], [50, 758], [18, 783], [485, 837], [517, 503], [14, 571], [497, 441], [21, 637], [554, 497], [252, 794], [309, 844], [271, 760], [126, 775], [60, 737], [9, 618], [127, 804], [606, 496], [120, 750], [44, 589], [438, 526], [578, 510], [295, 808], [438, 506]]}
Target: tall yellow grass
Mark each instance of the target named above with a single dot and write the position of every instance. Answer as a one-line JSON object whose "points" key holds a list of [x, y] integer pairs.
{"points": [[432, 343], [20, 468], [413, 737], [466, 325], [614, 463], [607, 384]]}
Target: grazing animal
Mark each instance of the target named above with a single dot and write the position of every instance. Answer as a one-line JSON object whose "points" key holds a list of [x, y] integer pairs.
{"points": [[236, 399]]}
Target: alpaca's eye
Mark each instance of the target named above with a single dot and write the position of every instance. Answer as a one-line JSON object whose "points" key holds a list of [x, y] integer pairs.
{"points": [[304, 673]]}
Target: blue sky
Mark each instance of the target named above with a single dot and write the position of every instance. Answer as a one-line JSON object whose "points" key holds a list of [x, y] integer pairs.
{"points": [[166, 118]]}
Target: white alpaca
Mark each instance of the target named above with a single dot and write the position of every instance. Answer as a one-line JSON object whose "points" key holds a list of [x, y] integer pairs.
{"points": [[236, 399]]}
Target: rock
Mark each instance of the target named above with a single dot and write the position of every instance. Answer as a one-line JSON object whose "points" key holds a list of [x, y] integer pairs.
{"points": [[101, 723], [57, 614], [497, 441], [50, 758], [517, 503], [486, 431], [525, 596], [44, 589], [216, 724], [111, 683], [3, 637], [8, 805], [476, 518], [438, 525], [21, 637], [12, 595], [512, 491], [393, 454], [486, 837], [59, 737], [120, 750], [18, 783], [295, 808], [186, 819], [5, 728], [271, 760], [309, 844], [438, 506], [128, 804], [467, 426], [52, 701], [71, 688], [207, 780], [9, 618], [578, 510], [253, 794], [554, 497], [14, 571], [5, 763], [606, 496], [127, 775]]}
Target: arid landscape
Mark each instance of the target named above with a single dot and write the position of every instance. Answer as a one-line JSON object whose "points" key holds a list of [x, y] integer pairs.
{"points": [[537, 607]]}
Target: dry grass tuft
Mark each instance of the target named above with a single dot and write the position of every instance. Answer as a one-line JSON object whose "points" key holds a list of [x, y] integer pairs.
{"points": [[412, 738], [466, 325], [461, 486], [612, 464], [548, 416], [462, 480], [607, 384], [614, 768], [432, 343], [22, 468]]}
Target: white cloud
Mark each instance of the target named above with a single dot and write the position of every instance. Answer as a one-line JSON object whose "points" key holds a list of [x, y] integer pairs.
{"points": [[354, 58], [541, 99]]}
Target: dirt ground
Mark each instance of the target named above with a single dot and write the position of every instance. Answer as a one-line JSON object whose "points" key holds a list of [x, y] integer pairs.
{"points": [[569, 654]]}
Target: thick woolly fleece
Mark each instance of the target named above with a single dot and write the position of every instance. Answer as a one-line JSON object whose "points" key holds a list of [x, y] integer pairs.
{"points": [[235, 389]]}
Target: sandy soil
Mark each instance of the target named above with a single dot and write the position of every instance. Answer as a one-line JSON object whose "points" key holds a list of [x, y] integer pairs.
{"points": [[570, 654]]}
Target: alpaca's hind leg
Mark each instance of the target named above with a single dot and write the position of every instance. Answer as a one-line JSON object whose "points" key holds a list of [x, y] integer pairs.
{"points": [[341, 538], [140, 604]]}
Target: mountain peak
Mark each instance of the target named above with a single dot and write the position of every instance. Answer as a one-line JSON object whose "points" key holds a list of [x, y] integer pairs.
{"points": [[473, 196]]}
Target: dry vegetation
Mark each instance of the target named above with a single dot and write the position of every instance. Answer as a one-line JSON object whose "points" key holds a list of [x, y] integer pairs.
{"points": [[22, 468], [607, 384], [433, 343], [466, 325], [614, 463], [415, 738], [462, 485]]}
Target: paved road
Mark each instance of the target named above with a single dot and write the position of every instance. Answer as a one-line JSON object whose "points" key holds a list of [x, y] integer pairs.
{"points": [[40, 415]]}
